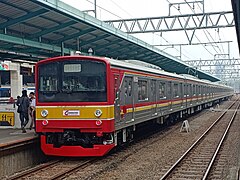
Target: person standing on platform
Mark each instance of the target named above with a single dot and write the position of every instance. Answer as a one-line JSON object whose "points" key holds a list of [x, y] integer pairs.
{"points": [[32, 109], [23, 106]]}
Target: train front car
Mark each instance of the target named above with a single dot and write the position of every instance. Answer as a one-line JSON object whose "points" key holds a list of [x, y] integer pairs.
{"points": [[73, 111]]}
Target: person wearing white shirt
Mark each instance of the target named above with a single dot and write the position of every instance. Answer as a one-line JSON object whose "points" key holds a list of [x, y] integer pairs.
{"points": [[32, 109]]}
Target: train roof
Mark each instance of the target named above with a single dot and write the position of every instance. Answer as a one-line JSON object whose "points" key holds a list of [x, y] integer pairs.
{"points": [[150, 68], [140, 66]]}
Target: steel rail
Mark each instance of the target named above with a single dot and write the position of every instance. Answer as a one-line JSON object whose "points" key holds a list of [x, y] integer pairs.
{"points": [[33, 170], [50, 164], [67, 172], [194, 144], [220, 145]]}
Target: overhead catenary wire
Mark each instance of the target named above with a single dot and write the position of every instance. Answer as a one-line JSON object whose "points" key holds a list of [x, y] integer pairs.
{"points": [[194, 33], [205, 30], [173, 47], [121, 8], [104, 9], [220, 39], [155, 34], [132, 16]]}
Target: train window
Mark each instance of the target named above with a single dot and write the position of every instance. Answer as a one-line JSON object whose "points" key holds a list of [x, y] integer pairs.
{"points": [[194, 90], [199, 90], [169, 89], [72, 81], [181, 90], [162, 90], [185, 90], [188, 89], [175, 90], [142, 90], [130, 88], [48, 77], [125, 87], [116, 83], [153, 87]]}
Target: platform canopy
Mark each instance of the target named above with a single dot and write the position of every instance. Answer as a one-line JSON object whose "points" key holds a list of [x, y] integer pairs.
{"points": [[36, 29]]}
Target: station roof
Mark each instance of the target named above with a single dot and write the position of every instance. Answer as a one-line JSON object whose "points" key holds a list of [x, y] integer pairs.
{"points": [[36, 29]]}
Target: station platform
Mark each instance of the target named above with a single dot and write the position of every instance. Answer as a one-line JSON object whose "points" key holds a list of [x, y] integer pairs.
{"points": [[14, 136]]}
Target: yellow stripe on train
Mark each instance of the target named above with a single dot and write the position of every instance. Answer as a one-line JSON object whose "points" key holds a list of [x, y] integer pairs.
{"points": [[75, 112], [88, 112]]}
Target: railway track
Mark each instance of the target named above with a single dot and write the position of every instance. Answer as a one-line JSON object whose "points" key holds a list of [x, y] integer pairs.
{"points": [[70, 168], [58, 169], [197, 162]]}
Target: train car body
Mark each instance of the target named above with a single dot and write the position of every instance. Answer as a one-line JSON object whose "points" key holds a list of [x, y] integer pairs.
{"points": [[87, 105]]}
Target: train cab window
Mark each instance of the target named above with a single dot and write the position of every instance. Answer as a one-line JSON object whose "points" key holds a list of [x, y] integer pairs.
{"points": [[175, 90], [48, 78], [142, 90], [162, 93], [72, 81]]}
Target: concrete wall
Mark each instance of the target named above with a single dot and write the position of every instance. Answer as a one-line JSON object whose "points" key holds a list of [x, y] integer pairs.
{"points": [[18, 159]]}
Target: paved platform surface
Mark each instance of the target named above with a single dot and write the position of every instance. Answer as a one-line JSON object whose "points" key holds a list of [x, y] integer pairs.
{"points": [[11, 136]]}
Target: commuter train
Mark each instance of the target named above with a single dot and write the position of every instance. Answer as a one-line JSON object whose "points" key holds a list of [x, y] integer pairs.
{"points": [[85, 106]]}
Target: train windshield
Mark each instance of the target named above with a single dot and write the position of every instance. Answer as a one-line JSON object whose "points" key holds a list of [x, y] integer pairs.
{"points": [[72, 81]]}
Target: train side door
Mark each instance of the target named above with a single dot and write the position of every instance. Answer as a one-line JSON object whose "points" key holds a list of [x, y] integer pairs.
{"points": [[127, 100], [181, 94], [153, 96], [190, 94], [117, 109], [185, 95], [170, 94]]}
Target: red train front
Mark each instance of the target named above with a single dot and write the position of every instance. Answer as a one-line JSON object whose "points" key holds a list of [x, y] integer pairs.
{"points": [[74, 108]]}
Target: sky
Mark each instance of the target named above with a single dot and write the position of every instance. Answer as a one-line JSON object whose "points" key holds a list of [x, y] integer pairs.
{"points": [[127, 9]]}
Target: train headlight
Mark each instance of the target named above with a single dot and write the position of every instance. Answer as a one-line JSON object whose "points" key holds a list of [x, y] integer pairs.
{"points": [[98, 113], [44, 113]]}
